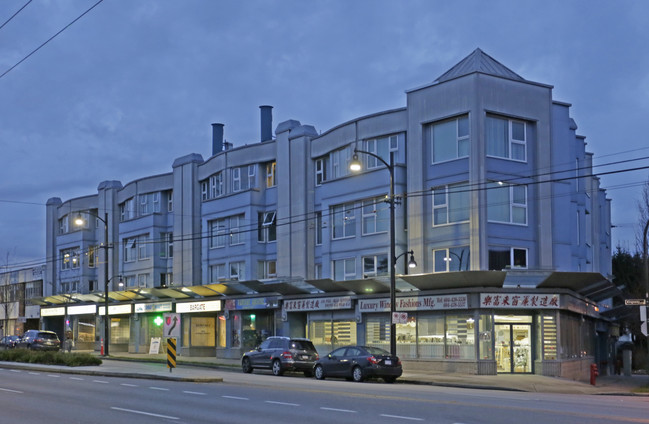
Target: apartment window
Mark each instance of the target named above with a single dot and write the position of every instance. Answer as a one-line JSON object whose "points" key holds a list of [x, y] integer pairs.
{"points": [[450, 204], [507, 203], [70, 258], [267, 269], [318, 228], [170, 201], [344, 221], [375, 265], [381, 148], [451, 259], [143, 244], [504, 258], [340, 162], [506, 138], [320, 170], [166, 279], [236, 179], [376, 216], [344, 269], [217, 273], [317, 271], [450, 139], [252, 176], [238, 270], [149, 203], [127, 210], [236, 236], [142, 280], [270, 174], [215, 186], [63, 225], [33, 289], [130, 249], [266, 227], [166, 245], [70, 287], [243, 177], [93, 256], [218, 231], [130, 281]]}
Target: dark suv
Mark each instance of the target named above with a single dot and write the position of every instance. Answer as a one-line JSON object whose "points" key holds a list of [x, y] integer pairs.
{"points": [[281, 354], [40, 340]]}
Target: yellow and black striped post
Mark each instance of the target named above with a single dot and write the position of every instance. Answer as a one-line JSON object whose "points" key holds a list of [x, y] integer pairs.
{"points": [[171, 353]]}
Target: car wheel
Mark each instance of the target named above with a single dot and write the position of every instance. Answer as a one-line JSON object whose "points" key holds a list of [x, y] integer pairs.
{"points": [[319, 372], [277, 367], [245, 366], [357, 374], [389, 380]]}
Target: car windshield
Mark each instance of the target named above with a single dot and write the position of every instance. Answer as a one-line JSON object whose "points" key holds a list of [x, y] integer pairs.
{"points": [[302, 345], [48, 336], [377, 351]]}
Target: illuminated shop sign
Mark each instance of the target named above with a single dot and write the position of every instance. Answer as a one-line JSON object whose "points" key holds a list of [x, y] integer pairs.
{"points": [[519, 301], [53, 312], [115, 309], [82, 310], [152, 307], [212, 306], [253, 303], [415, 303], [321, 304]]}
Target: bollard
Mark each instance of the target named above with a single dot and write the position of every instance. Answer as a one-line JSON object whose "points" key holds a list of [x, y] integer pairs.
{"points": [[593, 373]]}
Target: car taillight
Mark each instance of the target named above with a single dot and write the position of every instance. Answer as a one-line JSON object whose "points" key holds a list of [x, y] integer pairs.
{"points": [[38, 340], [287, 355], [373, 360], [317, 356]]}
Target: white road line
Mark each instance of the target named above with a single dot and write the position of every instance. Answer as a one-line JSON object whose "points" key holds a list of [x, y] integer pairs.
{"points": [[34, 373], [194, 393], [338, 410], [235, 397], [402, 417], [128, 385], [282, 403], [76, 378], [15, 370], [100, 381], [158, 388], [144, 413], [9, 390], [54, 375]]}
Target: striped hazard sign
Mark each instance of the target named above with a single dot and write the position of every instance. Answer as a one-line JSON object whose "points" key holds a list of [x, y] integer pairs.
{"points": [[171, 353]]}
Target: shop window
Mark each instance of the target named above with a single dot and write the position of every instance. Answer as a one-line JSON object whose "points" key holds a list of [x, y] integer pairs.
{"points": [[377, 332], [460, 339], [221, 332], [407, 338], [549, 338], [430, 331], [120, 330], [329, 335], [486, 329]]}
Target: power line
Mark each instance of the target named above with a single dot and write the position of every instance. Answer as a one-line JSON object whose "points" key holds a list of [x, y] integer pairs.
{"points": [[14, 15], [50, 39]]}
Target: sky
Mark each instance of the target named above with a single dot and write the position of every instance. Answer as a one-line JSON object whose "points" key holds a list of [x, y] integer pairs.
{"points": [[132, 85]]}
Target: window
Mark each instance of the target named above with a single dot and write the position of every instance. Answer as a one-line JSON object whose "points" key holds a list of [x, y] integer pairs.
{"points": [[143, 247], [236, 237], [70, 287], [450, 204], [504, 258], [381, 148], [318, 228], [344, 269], [266, 269], [166, 245], [507, 203], [453, 259], [170, 201], [130, 249], [217, 272], [70, 258], [127, 210], [63, 225], [376, 216], [320, 170], [252, 176], [216, 185], [375, 265], [340, 162], [238, 270], [166, 279], [243, 178], [130, 281], [317, 271], [266, 227], [450, 139], [149, 203], [236, 179], [270, 174], [344, 221], [142, 280], [217, 233], [92, 256], [506, 138]]}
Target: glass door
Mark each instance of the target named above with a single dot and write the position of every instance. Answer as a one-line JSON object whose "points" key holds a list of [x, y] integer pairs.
{"points": [[503, 347], [513, 348]]}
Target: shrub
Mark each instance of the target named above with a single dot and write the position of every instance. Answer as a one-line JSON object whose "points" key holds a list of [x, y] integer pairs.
{"points": [[49, 357]]}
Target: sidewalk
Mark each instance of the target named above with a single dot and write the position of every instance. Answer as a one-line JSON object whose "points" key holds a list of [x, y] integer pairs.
{"points": [[214, 369]]}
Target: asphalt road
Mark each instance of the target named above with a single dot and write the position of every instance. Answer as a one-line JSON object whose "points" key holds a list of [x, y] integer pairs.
{"points": [[42, 397]]}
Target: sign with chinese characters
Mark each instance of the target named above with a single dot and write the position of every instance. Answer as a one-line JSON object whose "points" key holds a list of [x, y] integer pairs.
{"points": [[209, 306], [519, 301], [320, 304], [415, 303], [152, 307]]}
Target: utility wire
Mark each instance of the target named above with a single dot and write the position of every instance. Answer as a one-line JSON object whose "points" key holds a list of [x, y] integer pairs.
{"points": [[14, 15], [50, 39]]}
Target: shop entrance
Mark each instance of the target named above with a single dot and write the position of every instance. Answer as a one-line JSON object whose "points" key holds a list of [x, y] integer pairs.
{"points": [[513, 344]]}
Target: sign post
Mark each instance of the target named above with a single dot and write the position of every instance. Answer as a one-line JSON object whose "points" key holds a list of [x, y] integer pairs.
{"points": [[171, 353]]}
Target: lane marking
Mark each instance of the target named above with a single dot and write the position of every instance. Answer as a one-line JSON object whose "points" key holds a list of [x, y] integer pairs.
{"points": [[235, 397], [338, 410], [128, 385], [159, 388], [150, 414], [282, 403], [194, 393], [15, 370], [76, 378], [402, 417], [54, 375], [100, 381], [34, 373], [9, 390]]}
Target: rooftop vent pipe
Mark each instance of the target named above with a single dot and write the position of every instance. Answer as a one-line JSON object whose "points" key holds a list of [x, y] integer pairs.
{"points": [[266, 123]]}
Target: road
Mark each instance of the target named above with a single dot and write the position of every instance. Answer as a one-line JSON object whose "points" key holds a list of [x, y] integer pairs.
{"points": [[42, 397]]}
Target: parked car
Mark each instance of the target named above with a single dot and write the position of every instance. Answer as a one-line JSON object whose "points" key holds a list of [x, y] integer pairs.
{"points": [[9, 342], [359, 363], [40, 340], [281, 354]]}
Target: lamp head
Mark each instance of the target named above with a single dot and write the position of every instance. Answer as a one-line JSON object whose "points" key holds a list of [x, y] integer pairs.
{"points": [[79, 221], [355, 164], [411, 262]]}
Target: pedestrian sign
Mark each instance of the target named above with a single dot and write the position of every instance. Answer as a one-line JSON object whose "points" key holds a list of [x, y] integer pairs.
{"points": [[171, 353]]}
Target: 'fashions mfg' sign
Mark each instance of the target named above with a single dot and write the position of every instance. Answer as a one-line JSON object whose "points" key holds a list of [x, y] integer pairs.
{"points": [[415, 303]]}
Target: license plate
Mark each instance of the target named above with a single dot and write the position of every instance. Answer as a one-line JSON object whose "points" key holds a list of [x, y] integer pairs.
{"points": [[388, 362], [305, 357]]}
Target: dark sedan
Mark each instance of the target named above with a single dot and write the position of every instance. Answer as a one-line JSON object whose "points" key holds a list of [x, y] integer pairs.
{"points": [[359, 363], [9, 342]]}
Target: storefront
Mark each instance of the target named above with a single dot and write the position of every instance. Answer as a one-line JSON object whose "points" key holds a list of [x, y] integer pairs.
{"points": [[146, 325], [80, 326], [329, 322], [53, 319], [199, 333], [120, 326], [245, 323]]}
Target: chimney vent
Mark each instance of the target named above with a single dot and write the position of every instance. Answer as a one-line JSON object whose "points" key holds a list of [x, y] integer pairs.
{"points": [[266, 123], [217, 138]]}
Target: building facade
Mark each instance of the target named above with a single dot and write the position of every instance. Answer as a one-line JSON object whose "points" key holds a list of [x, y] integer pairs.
{"points": [[495, 198]]}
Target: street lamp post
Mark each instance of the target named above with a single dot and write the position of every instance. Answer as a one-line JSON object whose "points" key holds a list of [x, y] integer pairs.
{"points": [[355, 165], [645, 263], [80, 221]]}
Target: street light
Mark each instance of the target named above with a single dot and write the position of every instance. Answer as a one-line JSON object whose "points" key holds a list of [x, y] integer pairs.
{"points": [[355, 165], [80, 221]]}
